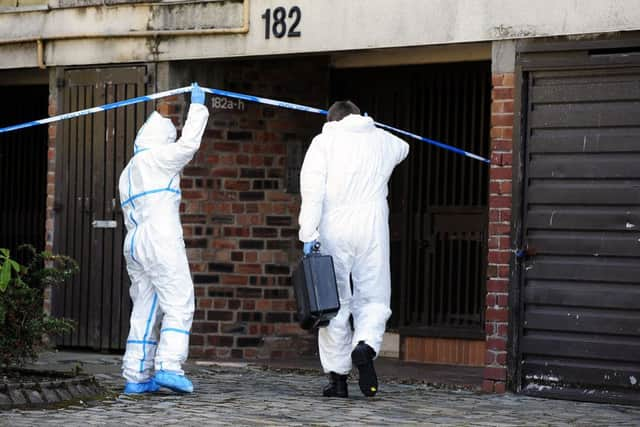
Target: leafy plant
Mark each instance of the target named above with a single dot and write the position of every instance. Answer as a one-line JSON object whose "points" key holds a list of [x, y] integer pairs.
{"points": [[8, 265], [23, 321]]}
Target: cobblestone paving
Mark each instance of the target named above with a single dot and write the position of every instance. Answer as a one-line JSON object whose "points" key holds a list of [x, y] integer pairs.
{"points": [[247, 395]]}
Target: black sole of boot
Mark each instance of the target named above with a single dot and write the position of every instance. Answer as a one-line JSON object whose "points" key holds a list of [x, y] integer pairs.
{"points": [[368, 380], [334, 394]]}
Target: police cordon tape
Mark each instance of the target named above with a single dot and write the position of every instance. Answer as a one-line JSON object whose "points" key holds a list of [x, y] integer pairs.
{"points": [[93, 110], [228, 94]]}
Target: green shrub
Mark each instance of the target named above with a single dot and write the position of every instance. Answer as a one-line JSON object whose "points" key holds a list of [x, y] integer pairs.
{"points": [[23, 321]]}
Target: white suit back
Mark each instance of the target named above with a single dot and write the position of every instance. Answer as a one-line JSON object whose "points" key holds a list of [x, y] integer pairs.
{"points": [[344, 186]]}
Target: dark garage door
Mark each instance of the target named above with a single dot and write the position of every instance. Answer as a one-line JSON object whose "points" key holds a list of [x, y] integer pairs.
{"points": [[91, 153], [579, 316], [23, 168]]}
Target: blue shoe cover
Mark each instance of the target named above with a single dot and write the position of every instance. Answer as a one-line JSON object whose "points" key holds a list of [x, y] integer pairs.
{"points": [[139, 388], [173, 381]]}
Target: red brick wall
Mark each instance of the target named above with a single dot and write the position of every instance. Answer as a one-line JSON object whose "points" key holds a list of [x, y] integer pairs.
{"points": [[500, 187], [240, 224], [51, 174]]}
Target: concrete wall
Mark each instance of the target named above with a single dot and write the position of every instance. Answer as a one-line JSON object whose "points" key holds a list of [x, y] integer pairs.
{"points": [[12, 4], [325, 26]]}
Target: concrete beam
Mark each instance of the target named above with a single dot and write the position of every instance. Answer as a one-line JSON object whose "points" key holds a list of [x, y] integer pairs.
{"points": [[327, 26], [503, 56]]}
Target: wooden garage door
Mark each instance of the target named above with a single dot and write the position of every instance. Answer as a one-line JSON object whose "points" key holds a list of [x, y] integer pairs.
{"points": [[579, 319], [91, 152]]}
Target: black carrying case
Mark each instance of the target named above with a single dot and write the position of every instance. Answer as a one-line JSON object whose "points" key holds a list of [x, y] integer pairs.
{"points": [[316, 290]]}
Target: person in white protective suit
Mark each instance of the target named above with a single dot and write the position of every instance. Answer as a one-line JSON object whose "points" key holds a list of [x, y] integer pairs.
{"points": [[161, 286], [344, 190]]}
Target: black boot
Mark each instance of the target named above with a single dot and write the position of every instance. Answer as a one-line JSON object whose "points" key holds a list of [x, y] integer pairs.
{"points": [[362, 356], [337, 386]]}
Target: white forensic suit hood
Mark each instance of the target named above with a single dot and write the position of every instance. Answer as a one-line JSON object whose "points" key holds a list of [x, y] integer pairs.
{"points": [[156, 131], [351, 123]]}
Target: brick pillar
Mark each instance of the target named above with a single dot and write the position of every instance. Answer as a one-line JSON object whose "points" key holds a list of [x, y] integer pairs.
{"points": [[500, 184], [51, 173], [51, 187]]}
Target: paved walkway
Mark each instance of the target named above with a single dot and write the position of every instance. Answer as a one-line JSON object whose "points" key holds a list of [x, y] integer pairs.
{"points": [[240, 394]]}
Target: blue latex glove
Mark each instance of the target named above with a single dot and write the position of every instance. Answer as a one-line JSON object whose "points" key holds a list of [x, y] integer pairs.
{"points": [[197, 94], [307, 248]]}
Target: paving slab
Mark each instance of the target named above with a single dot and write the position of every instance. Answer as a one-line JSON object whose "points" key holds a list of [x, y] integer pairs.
{"points": [[240, 393]]}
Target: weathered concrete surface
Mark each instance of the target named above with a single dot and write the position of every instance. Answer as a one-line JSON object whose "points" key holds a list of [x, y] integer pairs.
{"points": [[325, 26]]}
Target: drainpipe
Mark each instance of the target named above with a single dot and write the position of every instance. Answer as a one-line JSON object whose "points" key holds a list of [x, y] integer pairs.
{"points": [[158, 33], [40, 49]]}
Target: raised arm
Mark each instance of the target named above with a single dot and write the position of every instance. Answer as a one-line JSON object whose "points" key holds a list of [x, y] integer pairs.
{"points": [[174, 157]]}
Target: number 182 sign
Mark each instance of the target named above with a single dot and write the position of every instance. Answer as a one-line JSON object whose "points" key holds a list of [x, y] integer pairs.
{"points": [[282, 22]]}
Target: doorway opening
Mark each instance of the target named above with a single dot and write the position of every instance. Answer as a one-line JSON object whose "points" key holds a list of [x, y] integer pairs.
{"points": [[23, 168], [437, 199]]}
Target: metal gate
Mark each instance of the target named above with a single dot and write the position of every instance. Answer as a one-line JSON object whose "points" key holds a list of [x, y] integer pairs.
{"points": [[91, 152], [578, 304], [23, 167], [438, 200]]}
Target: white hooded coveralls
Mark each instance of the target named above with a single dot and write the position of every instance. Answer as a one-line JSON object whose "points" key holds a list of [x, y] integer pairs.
{"points": [[161, 286], [344, 190]]}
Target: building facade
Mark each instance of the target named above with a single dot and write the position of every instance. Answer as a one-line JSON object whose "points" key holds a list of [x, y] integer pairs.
{"points": [[525, 266]]}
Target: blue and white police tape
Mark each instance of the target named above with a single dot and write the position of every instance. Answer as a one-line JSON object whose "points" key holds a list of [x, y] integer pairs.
{"points": [[434, 142], [299, 107], [92, 110], [236, 95], [267, 101]]}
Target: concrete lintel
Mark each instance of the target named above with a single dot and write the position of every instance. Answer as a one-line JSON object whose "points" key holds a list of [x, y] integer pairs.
{"points": [[503, 56], [413, 55]]}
